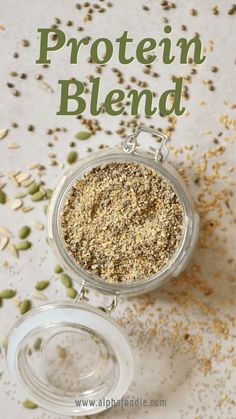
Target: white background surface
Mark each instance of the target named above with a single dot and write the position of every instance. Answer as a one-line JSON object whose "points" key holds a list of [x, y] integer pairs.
{"points": [[163, 370]]}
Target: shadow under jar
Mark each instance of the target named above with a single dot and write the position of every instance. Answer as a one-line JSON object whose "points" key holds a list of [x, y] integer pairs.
{"points": [[71, 358]]}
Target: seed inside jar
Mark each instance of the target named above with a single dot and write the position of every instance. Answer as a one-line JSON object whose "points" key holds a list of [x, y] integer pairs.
{"points": [[122, 222]]}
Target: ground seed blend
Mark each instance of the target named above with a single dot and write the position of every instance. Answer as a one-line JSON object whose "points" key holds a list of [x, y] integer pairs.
{"points": [[122, 222]]}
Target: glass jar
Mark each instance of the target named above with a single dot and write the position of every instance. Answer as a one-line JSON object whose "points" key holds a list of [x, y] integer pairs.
{"points": [[71, 358]]}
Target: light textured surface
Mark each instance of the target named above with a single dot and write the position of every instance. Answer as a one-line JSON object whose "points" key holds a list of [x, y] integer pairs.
{"points": [[175, 331]]}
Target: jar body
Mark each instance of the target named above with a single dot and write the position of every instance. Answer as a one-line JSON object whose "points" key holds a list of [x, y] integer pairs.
{"points": [[190, 223]]}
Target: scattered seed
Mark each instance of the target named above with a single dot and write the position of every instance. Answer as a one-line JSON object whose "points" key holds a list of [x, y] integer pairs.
{"points": [[12, 146], [25, 306], [3, 133], [26, 209], [3, 197], [24, 232], [45, 209], [33, 188], [4, 242], [28, 404], [8, 293], [41, 285], [37, 344], [71, 293], [45, 86], [61, 352], [49, 193], [38, 196], [12, 249], [24, 245], [17, 204], [37, 225], [72, 157], [25, 43], [58, 269], [15, 92], [83, 135], [66, 281], [38, 295], [5, 342]]}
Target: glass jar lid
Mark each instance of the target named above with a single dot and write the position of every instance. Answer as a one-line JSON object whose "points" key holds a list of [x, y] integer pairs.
{"points": [[70, 358]]}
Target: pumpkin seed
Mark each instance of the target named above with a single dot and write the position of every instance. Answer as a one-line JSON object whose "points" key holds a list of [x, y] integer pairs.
{"points": [[24, 232], [83, 135], [24, 245], [3, 197], [28, 404], [66, 280], [71, 292], [61, 352], [37, 343], [45, 209], [72, 157], [33, 188], [8, 293], [58, 269], [49, 193], [3, 133], [41, 285], [5, 342], [38, 196], [25, 306]]}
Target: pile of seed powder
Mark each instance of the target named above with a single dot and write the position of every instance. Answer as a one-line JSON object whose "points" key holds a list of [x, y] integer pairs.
{"points": [[122, 221]]}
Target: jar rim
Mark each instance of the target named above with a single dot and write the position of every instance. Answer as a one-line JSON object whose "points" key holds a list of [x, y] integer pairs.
{"points": [[91, 280]]}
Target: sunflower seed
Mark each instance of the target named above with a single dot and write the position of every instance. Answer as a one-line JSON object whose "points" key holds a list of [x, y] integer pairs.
{"points": [[4, 242], [3, 133], [37, 225], [12, 249], [5, 232], [17, 204]]}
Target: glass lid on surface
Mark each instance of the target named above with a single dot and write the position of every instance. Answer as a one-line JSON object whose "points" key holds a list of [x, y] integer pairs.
{"points": [[70, 358]]}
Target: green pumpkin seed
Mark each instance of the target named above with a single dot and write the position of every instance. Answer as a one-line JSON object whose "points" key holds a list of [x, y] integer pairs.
{"points": [[25, 306], [45, 209], [49, 193], [25, 245], [3, 197], [8, 293], [24, 232], [41, 285], [33, 188], [28, 404], [83, 135], [72, 157], [66, 280], [58, 269], [37, 343], [38, 196], [71, 292], [5, 342]]}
